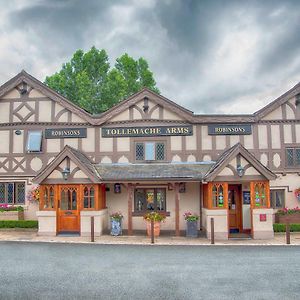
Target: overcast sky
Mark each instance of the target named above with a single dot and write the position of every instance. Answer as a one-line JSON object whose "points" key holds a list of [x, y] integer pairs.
{"points": [[209, 56]]}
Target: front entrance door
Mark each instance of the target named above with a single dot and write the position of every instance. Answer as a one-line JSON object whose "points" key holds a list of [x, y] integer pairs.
{"points": [[234, 208], [68, 209]]}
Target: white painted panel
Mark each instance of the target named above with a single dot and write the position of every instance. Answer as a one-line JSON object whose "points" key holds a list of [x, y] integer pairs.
{"points": [[4, 112], [234, 139], [18, 142], [275, 137], [35, 94], [176, 143], [12, 94], [72, 142], [274, 115], [262, 137], [220, 142], [123, 144], [169, 115], [106, 144], [45, 111], [206, 139], [246, 216], [248, 141], [191, 141], [289, 113], [297, 133], [4, 141], [88, 143], [123, 116], [53, 145], [287, 129]]}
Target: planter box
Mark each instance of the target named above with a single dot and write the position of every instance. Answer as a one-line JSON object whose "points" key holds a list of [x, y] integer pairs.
{"points": [[192, 229], [116, 227], [292, 219], [12, 215]]}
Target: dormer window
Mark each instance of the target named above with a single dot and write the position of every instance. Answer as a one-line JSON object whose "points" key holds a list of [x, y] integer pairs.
{"points": [[34, 141], [150, 151]]}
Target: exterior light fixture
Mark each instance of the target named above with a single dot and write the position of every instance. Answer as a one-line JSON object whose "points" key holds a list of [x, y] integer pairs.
{"points": [[146, 105], [18, 132], [117, 188], [240, 170], [65, 173]]}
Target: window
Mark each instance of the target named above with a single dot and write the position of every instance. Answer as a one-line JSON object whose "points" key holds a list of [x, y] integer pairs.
{"points": [[48, 201], [277, 198], [34, 141], [218, 195], [149, 200], [260, 194], [88, 197], [293, 157], [150, 151], [12, 193]]}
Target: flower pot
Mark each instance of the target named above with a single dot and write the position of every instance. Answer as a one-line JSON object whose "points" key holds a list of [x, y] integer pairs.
{"points": [[192, 229], [116, 227], [156, 228]]}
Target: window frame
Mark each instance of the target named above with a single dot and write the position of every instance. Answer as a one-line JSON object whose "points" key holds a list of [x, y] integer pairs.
{"points": [[144, 211], [89, 187], [274, 201], [156, 143], [15, 201], [29, 132]]}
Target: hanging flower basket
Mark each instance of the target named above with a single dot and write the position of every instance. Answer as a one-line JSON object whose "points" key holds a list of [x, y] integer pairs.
{"points": [[297, 194], [33, 195]]}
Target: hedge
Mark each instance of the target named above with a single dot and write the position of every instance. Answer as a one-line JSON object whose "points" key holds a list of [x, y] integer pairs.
{"points": [[281, 227], [18, 224]]}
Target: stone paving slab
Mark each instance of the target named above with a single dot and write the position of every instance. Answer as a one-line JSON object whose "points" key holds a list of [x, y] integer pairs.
{"points": [[32, 236]]}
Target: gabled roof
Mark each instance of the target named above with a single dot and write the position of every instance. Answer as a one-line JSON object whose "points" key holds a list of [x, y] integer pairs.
{"points": [[45, 90], [145, 92], [157, 172], [79, 158], [230, 154], [277, 102]]}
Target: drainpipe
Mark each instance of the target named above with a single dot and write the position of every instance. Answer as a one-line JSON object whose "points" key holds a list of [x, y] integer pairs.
{"points": [[201, 202]]}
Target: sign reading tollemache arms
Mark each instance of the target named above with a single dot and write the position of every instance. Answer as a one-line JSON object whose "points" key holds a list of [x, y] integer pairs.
{"points": [[60, 133], [230, 129], [146, 131]]}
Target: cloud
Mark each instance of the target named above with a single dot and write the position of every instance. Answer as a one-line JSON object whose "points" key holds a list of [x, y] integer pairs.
{"points": [[210, 56]]}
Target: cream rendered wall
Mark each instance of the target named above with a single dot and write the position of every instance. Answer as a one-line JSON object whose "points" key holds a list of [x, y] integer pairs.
{"points": [[106, 144], [123, 116], [35, 94], [4, 138], [275, 137], [206, 139], [169, 115], [45, 108], [287, 129], [220, 142], [18, 142], [248, 141], [88, 144], [262, 137], [58, 109], [297, 133], [274, 115], [53, 145], [234, 139], [191, 141], [123, 144], [176, 143], [226, 172], [72, 142], [12, 94], [4, 112], [76, 119], [289, 112], [155, 113]]}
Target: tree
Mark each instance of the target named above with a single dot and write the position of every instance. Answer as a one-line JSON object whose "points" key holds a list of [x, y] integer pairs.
{"points": [[88, 80]]}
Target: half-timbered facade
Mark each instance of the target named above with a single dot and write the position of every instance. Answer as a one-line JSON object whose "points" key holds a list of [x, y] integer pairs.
{"points": [[146, 153]]}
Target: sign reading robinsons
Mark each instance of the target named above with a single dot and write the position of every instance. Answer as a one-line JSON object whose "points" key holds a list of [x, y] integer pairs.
{"points": [[146, 131], [60, 133], [217, 129]]}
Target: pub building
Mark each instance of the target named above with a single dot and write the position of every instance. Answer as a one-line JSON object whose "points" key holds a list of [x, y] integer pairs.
{"points": [[146, 153]]}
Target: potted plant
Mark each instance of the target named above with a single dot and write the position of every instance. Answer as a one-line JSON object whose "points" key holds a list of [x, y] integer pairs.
{"points": [[297, 193], [191, 224], [116, 223], [288, 215], [157, 218], [11, 212]]}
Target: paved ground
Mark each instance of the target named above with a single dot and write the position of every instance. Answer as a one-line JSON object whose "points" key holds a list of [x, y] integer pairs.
{"points": [[85, 271], [31, 235]]}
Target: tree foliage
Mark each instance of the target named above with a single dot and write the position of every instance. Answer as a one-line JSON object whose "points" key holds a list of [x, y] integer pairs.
{"points": [[88, 80]]}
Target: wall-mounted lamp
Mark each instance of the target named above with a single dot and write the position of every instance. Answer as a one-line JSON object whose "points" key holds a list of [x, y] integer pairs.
{"points": [[18, 132], [65, 173], [240, 170], [146, 105], [117, 188]]}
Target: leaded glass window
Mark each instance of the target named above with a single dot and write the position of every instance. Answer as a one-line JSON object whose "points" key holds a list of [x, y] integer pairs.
{"points": [[293, 157], [277, 198], [89, 197], [160, 151], [150, 199], [150, 151], [12, 193], [139, 151]]}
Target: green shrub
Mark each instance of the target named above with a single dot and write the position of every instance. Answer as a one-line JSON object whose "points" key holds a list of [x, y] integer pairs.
{"points": [[281, 227], [18, 224]]}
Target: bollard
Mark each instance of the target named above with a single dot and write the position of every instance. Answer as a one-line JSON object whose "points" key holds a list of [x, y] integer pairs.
{"points": [[288, 233], [152, 231], [92, 229], [212, 230]]}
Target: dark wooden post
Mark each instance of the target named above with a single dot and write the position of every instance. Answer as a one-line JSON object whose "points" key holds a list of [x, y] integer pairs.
{"points": [[288, 233], [129, 209], [92, 229], [152, 231], [212, 230], [177, 232]]}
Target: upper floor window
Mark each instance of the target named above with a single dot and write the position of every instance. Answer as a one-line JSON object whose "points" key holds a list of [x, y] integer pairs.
{"points": [[150, 151], [277, 198], [293, 157], [34, 141], [12, 193]]}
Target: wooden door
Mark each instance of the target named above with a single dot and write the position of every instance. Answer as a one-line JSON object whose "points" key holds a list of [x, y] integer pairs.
{"points": [[68, 209], [234, 208]]}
